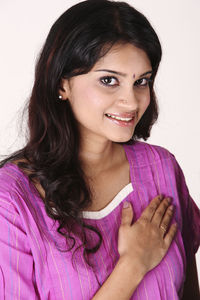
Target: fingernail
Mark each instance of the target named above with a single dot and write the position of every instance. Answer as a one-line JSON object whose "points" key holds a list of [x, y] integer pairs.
{"points": [[169, 200], [126, 204]]}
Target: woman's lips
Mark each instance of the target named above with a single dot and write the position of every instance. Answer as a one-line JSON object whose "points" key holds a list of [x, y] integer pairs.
{"points": [[124, 120]]}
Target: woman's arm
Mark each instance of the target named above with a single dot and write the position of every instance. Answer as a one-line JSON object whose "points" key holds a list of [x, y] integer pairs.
{"points": [[191, 286], [16, 261], [121, 283]]}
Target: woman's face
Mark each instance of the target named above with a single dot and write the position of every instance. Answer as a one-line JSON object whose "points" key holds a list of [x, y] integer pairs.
{"points": [[109, 101]]}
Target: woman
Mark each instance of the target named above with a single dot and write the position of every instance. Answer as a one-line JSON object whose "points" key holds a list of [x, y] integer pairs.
{"points": [[87, 209]]}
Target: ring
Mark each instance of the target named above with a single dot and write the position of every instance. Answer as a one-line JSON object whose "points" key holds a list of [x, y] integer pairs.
{"points": [[163, 228]]}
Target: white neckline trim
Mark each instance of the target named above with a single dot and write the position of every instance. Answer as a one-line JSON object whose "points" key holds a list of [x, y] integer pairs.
{"points": [[111, 206]]}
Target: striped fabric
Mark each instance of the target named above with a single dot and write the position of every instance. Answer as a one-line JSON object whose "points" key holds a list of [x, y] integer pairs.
{"points": [[32, 265]]}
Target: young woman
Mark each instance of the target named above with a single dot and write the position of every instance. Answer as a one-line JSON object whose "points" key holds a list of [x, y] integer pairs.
{"points": [[86, 210]]}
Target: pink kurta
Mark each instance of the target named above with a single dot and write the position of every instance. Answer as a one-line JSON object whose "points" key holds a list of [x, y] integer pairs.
{"points": [[31, 265]]}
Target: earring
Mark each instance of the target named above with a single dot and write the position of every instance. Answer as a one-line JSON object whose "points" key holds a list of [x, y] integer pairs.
{"points": [[60, 97]]}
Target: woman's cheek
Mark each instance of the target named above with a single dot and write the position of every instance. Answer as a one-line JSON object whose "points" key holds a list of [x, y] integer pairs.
{"points": [[144, 105], [146, 100]]}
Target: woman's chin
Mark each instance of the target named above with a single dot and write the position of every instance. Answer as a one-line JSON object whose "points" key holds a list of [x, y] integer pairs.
{"points": [[122, 139]]}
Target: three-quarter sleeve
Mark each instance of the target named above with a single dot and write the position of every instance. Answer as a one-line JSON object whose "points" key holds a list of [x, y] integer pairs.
{"points": [[16, 261], [190, 214]]}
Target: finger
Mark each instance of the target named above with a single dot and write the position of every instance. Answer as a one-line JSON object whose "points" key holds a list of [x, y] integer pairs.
{"points": [[150, 209], [170, 235], [127, 213], [164, 224], [160, 212]]}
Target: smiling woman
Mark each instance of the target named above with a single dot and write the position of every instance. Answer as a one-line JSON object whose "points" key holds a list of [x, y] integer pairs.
{"points": [[100, 103], [87, 210]]}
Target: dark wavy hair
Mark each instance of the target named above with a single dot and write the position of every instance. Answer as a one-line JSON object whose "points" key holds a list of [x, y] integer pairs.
{"points": [[78, 39]]}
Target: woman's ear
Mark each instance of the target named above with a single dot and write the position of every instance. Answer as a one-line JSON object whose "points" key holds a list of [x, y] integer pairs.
{"points": [[64, 90]]}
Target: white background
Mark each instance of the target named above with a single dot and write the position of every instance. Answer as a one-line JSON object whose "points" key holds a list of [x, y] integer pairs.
{"points": [[23, 29]]}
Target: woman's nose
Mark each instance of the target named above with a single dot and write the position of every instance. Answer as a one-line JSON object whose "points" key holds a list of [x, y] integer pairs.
{"points": [[128, 99]]}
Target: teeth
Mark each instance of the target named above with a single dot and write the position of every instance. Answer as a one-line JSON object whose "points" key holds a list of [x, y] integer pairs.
{"points": [[118, 118]]}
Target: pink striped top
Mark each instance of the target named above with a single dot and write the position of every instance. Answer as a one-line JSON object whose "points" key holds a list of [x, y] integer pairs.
{"points": [[32, 267]]}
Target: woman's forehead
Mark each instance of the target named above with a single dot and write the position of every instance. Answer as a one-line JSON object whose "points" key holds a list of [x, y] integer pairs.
{"points": [[123, 55]]}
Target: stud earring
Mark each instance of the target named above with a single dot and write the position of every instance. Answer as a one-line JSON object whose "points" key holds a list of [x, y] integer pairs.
{"points": [[60, 97]]}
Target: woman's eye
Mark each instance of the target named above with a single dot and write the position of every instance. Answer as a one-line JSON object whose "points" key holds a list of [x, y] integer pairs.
{"points": [[109, 81], [143, 82]]}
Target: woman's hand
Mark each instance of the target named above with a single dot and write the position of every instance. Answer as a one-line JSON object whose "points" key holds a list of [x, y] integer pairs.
{"points": [[146, 242]]}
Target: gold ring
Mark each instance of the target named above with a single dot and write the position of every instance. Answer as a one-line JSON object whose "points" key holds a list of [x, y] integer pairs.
{"points": [[163, 228]]}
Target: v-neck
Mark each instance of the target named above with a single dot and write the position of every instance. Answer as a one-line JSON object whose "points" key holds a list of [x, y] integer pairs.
{"points": [[123, 193]]}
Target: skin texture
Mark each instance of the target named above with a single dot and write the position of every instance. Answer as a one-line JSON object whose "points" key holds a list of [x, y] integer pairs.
{"points": [[90, 100], [149, 227]]}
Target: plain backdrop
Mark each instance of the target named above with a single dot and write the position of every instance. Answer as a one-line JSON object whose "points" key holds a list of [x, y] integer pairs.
{"points": [[24, 26]]}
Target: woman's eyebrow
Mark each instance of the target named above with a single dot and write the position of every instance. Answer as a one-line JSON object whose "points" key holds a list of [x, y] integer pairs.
{"points": [[113, 72], [146, 73], [123, 74]]}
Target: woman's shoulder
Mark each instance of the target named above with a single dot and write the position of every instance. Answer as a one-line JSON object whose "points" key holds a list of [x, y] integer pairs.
{"points": [[13, 181], [142, 150], [10, 174]]}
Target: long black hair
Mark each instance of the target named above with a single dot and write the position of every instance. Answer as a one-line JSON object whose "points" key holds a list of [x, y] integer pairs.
{"points": [[78, 39]]}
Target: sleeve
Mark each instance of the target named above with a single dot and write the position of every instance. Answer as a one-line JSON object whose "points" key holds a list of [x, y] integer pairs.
{"points": [[190, 214], [16, 261]]}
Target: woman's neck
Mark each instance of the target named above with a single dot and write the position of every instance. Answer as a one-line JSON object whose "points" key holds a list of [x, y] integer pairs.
{"points": [[97, 158]]}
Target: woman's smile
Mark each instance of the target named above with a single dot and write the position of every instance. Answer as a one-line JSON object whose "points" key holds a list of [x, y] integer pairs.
{"points": [[122, 119]]}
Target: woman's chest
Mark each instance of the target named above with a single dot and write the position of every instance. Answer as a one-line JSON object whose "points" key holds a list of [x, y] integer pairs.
{"points": [[107, 185], [79, 281], [70, 277]]}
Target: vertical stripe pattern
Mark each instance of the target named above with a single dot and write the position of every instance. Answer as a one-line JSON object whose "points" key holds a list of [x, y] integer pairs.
{"points": [[31, 265]]}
